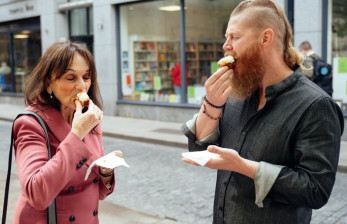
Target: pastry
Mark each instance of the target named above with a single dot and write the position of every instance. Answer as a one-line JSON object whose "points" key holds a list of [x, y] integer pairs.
{"points": [[227, 61], [83, 98]]}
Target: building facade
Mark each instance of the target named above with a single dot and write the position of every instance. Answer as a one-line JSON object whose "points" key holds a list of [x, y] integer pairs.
{"points": [[152, 57]]}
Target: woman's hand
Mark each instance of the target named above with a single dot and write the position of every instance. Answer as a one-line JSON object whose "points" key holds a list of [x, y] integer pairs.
{"points": [[83, 123], [218, 86]]}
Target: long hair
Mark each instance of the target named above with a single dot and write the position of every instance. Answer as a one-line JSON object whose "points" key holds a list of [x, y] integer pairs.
{"points": [[268, 14], [56, 60]]}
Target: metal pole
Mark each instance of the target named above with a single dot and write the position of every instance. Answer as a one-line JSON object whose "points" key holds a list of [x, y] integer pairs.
{"points": [[183, 56]]}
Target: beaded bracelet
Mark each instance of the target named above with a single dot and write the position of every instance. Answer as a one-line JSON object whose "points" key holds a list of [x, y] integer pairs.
{"points": [[209, 116], [212, 105], [107, 174]]}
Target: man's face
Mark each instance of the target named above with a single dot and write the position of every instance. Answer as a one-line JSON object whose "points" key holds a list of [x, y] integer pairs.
{"points": [[250, 65], [248, 72]]}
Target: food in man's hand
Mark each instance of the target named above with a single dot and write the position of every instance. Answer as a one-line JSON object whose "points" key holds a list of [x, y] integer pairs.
{"points": [[227, 61], [83, 98]]}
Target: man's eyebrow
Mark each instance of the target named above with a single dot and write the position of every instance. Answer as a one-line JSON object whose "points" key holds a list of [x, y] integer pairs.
{"points": [[229, 33]]}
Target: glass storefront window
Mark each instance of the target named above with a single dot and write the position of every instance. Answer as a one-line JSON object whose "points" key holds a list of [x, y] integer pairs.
{"points": [[339, 29], [149, 38], [27, 51], [20, 50], [78, 22], [150, 48], [205, 35], [5, 67]]}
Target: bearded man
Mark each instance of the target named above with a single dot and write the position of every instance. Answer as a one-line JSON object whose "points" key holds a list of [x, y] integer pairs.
{"points": [[278, 134]]}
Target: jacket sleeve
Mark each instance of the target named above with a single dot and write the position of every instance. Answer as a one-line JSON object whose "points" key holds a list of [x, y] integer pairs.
{"points": [[193, 145], [103, 190], [309, 181], [42, 180]]}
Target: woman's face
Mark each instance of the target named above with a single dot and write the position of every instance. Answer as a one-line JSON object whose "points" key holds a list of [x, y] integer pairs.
{"points": [[75, 79]]}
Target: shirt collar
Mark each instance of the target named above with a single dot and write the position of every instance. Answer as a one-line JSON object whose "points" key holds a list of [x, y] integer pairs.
{"points": [[273, 90]]}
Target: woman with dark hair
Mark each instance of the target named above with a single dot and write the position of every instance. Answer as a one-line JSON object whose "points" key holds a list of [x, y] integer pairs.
{"points": [[64, 70]]}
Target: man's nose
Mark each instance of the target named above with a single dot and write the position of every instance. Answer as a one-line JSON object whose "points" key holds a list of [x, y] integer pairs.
{"points": [[227, 46]]}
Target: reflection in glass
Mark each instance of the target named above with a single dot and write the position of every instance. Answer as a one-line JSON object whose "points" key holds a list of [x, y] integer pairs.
{"points": [[339, 28], [149, 52], [27, 51], [206, 22], [5, 68], [78, 22]]}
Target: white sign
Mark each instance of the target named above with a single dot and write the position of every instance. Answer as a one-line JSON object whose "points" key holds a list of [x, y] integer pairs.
{"points": [[19, 10]]}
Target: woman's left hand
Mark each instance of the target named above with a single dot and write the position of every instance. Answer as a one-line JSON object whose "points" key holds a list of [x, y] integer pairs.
{"points": [[105, 170]]}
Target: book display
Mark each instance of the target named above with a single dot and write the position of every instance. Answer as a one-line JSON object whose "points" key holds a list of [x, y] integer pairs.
{"points": [[154, 59]]}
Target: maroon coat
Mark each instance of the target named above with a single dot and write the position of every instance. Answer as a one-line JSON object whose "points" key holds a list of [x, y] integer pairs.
{"points": [[62, 177]]}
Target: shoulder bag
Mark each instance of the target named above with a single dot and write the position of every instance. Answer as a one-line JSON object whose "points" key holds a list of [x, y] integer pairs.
{"points": [[51, 210]]}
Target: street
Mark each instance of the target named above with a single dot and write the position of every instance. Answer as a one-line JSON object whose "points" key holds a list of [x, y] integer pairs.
{"points": [[159, 183]]}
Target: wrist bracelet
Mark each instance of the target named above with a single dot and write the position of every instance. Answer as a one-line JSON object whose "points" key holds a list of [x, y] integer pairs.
{"points": [[107, 174], [212, 105], [209, 116]]}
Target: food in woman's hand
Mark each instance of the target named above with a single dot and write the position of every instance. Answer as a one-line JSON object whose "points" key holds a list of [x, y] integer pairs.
{"points": [[83, 98], [227, 61]]}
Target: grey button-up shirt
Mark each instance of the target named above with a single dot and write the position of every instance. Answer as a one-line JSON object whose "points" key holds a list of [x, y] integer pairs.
{"points": [[295, 137]]}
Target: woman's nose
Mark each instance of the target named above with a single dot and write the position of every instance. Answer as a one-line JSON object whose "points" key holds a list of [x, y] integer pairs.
{"points": [[81, 85]]}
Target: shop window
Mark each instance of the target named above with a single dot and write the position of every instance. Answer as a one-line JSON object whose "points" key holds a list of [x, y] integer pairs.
{"points": [[339, 51], [150, 48], [339, 28], [5, 66], [27, 51], [20, 50]]}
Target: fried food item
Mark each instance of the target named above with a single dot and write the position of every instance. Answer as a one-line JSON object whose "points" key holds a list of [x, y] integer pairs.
{"points": [[83, 98], [227, 61]]}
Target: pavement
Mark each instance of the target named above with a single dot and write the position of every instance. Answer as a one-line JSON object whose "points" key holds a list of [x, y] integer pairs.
{"points": [[150, 131]]}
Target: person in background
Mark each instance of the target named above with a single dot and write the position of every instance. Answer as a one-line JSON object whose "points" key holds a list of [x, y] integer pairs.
{"points": [[176, 77], [306, 48], [5, 77], [4, 68], [277, 134], [65, 69]]}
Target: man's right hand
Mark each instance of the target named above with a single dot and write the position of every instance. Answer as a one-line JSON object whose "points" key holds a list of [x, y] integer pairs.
{"points": [[218, 86]]}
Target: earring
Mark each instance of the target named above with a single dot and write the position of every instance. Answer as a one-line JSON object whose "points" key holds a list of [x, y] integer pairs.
{"points": [[51, 95]]}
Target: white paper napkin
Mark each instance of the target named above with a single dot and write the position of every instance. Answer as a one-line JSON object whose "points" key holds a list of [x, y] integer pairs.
{"points": [[200, 157], [110, 161]]}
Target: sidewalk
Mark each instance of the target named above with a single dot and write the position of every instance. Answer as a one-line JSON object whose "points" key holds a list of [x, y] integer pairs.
{"points": [[159, 132]]}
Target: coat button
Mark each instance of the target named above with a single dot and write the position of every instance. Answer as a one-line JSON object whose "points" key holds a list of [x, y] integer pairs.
{"points": [[81, 163], [78, 166], [71, 189], [96, 180], [84, 160], [72, 218], [95, 212]]}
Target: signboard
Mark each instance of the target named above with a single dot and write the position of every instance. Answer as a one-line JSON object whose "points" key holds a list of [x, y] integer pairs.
{"points": [[19, 10]]}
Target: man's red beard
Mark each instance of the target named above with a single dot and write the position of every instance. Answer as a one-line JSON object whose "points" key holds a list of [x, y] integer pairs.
{"points": [[248, 73]]}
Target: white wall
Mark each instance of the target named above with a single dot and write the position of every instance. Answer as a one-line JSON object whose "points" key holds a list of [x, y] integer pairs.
{"points": [[105, 52], [54, 24], [308, 23]]}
